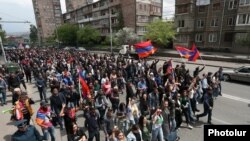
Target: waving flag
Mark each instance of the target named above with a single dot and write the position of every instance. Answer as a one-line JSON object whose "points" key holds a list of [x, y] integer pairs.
{"points": [[145, 49], [195, 55], [191, 55], [83, 85], [184, 52]]}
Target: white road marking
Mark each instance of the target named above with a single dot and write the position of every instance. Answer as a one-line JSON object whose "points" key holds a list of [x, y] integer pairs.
{"points": [[236, 98], [221, 121]]}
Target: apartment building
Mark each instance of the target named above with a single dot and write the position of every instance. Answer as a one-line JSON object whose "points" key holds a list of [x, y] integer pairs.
{"points": [[134, 14], [48, 16], [213, 24], [74, 4]]}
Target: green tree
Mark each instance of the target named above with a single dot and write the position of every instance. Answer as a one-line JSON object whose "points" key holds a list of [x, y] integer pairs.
{"points": [[33, 35], [160, 32], [67, 34], [120, 20], [125, 36], [244, 41], [88, 35]]}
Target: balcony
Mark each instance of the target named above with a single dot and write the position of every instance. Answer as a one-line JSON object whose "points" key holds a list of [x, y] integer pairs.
{"points": [[85, 20], [181, 2]]}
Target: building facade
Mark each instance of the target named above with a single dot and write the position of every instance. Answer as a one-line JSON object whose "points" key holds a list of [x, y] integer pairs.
{"points": [[134, 14], [48, 16], [211, 24], [75, 4]]}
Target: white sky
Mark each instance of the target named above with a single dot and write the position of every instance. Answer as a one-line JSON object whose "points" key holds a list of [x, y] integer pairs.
{"points": [[22, 10]]}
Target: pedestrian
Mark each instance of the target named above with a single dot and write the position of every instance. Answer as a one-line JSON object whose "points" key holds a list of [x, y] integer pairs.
{"points": [[78, 134], [25, 132], [3, 87], [145, 128], [23, 108], [93, 124], [208, 106], [41, 85], [135, 134], [43, 119], [56, 102]]}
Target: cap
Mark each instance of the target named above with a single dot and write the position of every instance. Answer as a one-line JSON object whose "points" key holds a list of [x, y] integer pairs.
{"points": [[21, 123], [43, 103]]}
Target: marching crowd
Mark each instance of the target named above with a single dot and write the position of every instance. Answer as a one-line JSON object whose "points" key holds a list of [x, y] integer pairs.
{"points": [[156, 97]]}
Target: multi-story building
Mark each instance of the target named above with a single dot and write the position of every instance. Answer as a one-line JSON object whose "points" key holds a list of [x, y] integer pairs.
{"points": [[48, 16], [213, 24], [134, 14], [74, 4]]}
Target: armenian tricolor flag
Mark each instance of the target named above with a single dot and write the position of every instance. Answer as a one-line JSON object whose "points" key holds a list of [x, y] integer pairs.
{"points": [[83, 85], [191, 55], [144, 49]]}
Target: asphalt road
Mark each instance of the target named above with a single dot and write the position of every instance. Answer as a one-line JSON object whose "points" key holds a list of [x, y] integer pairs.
{"points": [[231, 108]]}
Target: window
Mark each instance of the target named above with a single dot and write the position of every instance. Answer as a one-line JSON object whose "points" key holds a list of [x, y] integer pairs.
{"points": [[182, 9], [181, 23], [230, 21], [244, 2], [182, 38], [228, 37], [214, 22], [202, 8], [212, 37], [199, 37], [233, 4], [216, 6], [200, 23], [243, 19], [244, 70], [140, 7], [145, 7]]}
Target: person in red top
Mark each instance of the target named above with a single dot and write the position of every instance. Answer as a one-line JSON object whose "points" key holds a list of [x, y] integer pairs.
{"points": [[43, 119]]}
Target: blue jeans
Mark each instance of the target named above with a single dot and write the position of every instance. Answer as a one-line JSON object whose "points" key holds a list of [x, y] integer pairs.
{"points": [[3, 98], [157, 133], [47, 131]]}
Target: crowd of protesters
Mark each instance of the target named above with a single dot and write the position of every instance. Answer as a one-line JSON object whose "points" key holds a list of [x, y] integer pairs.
{"points": [[156, 97]]}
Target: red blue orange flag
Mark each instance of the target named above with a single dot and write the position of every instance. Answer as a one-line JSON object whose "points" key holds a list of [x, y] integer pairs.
{"points": [[191, 55], [144, 49], [84, 86]]}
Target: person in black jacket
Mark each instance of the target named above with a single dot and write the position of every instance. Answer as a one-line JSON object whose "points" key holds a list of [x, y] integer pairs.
{"points": [[13, 82], [93, 124], [78, 134], [56, 102], [26, 132], [208, 106]]}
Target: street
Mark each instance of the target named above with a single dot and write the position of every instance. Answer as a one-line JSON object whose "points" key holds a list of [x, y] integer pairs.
{"points": [[230, 108]]}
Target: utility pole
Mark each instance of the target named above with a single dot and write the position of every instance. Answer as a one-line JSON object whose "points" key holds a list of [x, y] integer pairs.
{"points": [[1, 42]]}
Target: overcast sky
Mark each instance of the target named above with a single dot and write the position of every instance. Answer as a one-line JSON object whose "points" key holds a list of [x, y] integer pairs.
{"points": [[22, 10]]}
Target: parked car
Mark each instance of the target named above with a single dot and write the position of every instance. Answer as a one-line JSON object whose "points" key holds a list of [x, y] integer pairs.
{"points": [[239, 74], [81, 49]]}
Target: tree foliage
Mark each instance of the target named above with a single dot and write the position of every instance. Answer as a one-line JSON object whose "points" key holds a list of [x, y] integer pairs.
{"points": [[67, 34], [125, 36], [244, 41], [33, 34], [160, 32], [88, 35]]}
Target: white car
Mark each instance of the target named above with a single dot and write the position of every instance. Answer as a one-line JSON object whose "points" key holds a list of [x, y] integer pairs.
{"points": [[81, 49], [238, 74]]}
